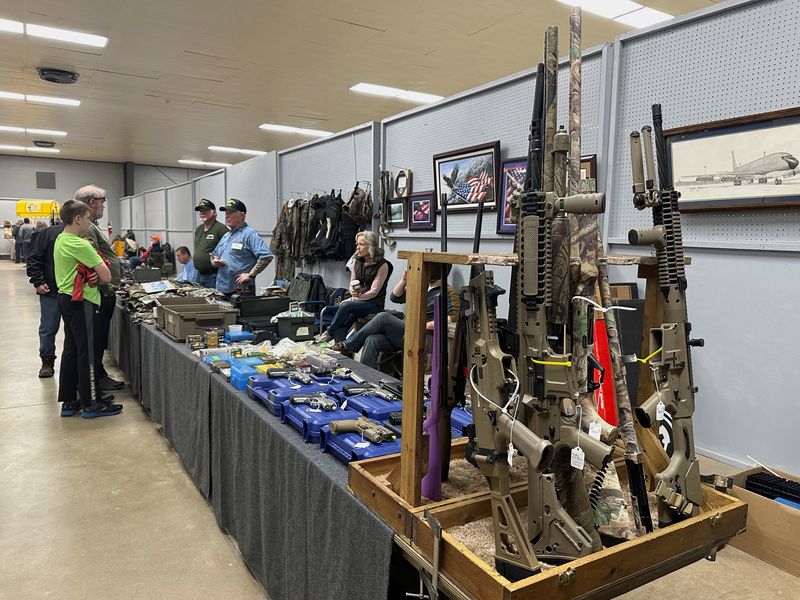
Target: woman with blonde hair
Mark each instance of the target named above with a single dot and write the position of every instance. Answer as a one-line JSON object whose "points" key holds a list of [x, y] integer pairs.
{"points": [[369, 276]]}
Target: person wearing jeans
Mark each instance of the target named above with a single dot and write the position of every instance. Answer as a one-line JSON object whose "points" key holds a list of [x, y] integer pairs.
{"points": [[41, 271], [370, 273]]}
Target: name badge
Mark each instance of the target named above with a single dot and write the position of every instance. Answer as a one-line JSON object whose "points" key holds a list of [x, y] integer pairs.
{"points": [[237, 246], [210, 236]]}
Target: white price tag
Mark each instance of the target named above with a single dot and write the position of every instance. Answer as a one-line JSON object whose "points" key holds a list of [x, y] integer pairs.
{"points": [[344, 405], [511, 452], [660, 410], [577, 458], [314, 410], [363, 444], [594, 430]]}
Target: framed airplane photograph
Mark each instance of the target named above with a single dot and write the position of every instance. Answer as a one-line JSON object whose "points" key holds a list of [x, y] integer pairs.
{"points": [[747, 162], [468, 177]]}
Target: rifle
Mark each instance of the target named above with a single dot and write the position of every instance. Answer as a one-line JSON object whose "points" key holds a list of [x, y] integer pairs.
{"points": [[317, 401], [369, 429], [291, 375], [548, 379], [678, 486]]}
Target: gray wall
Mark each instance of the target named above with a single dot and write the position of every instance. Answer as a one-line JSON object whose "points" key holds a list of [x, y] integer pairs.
{"points": [[151, 177], [18, 180]]}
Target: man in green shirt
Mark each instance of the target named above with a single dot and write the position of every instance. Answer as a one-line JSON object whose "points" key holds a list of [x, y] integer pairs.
{"points": [[78, 270], [206, 237], [95, 197]]}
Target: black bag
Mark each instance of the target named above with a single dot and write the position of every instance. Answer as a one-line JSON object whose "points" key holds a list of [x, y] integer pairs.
{"points": [[306, 287]]}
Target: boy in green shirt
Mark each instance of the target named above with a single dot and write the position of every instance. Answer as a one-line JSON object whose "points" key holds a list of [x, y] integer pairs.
{"points": [[78, 270]]}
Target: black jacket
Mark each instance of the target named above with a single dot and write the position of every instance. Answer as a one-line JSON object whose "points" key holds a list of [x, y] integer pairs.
{"points": [[40, 260]]}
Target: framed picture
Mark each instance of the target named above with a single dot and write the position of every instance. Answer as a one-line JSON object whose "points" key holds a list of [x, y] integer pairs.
{"points": [[747, 162], [402, 184], [589, 173], [397, 216], [512, 176], [468, 176], [422, 212]]}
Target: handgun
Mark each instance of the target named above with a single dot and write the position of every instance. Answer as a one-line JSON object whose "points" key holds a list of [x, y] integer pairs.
{"points": [[345, 373], [370, 389], [293, 374], [319, 400], [369, 429]]}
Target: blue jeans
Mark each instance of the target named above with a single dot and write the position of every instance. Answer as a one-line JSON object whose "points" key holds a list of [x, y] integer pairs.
{"points": [[49, 322], [208, 280], [347, 314], [17, 251], [384, 333], [26, 250]]}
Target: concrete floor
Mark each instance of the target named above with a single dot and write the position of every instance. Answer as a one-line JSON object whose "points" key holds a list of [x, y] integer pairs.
{"points": [[103, 509]]}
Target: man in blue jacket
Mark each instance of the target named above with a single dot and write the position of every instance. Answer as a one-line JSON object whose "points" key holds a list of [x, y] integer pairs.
{"points": [[241, 254]]}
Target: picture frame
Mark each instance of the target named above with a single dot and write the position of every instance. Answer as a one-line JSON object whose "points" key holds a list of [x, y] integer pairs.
{"points": [[739, 163], [397, 215], [512, 174], [421, 212], [401, 184], [588, 173], [467, 176]]}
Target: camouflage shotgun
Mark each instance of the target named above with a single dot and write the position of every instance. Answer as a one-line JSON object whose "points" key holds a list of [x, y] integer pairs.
{"points": [[317, 401], [369, 429], [678, 486]]}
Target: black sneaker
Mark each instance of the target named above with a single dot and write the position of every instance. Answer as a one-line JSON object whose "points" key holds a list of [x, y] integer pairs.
{"points": [[69, 409], [107, 383], [101, 409]]}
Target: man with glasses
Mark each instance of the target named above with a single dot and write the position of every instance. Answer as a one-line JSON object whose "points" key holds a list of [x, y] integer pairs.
{"points": [[95, 197], [206, 237]]}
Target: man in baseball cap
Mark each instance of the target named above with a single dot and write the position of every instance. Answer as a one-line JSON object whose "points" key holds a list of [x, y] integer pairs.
{"points": [[241, 253], [206, 237]]}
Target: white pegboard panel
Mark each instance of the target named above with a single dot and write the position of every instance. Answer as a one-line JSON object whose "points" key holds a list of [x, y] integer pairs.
{"points": [[155, 205], [181, 238], [254, 182], [180, 210], [212, 187], [125, 213], [137, 212], [499, 111], [336, 162], [737, 61]]}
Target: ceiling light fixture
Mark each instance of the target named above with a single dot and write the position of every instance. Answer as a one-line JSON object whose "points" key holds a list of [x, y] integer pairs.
{"points": [[610, 9], [12, 148], [12, 96], [201, 163], [644, 17], [11, 26], [397, 93], [237, 150], [13, 129], [65, 35], [52, 100], [35, 149], [298, 130]]}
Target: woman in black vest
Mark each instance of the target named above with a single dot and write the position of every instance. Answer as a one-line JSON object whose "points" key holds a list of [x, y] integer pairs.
{"points": [[369, 276]]}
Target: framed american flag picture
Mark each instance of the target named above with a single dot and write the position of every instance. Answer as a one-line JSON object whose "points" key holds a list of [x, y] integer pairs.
{"points": [[467, 178], [512, 176]]}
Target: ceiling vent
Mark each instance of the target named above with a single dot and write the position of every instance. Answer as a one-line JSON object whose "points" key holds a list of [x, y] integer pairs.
{"points": [[57, 75], [43, 144]]}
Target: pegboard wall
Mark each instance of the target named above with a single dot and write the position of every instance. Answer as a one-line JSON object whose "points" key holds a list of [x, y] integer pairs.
{"points": [[253, 181], [728, 63], [335, 162], [495, 112]]}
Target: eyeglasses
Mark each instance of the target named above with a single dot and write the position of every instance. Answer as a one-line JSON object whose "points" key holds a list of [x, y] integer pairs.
{"points": [[101, 198]]}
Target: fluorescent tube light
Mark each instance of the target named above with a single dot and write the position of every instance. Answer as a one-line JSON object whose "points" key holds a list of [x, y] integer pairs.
{"points": [[12, 148], [37, 149], [52, 100], [201, 163], [299, 130], [53, 132], [65, 35], [12, 129], [397, 93], [11, 26], [236, 150], [12, 96], [644, 17], [610, 9]]}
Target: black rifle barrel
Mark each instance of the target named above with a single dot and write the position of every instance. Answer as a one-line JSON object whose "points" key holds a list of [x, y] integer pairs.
{"points": [[664, 180]]}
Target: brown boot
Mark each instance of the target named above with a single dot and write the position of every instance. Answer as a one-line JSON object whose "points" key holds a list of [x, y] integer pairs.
{"points": [[48, 368]]}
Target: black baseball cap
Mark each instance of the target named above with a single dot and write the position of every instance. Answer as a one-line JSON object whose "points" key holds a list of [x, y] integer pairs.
{"points": [[205, 203], [234, 204]]}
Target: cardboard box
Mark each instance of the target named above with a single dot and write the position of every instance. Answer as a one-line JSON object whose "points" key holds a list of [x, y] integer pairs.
{"points": [[773, 529]]}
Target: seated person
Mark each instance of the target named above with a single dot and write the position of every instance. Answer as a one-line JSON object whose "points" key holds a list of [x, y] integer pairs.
{"points": [[188, 274], [154, 247], [384, 333], [369, 276]]}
